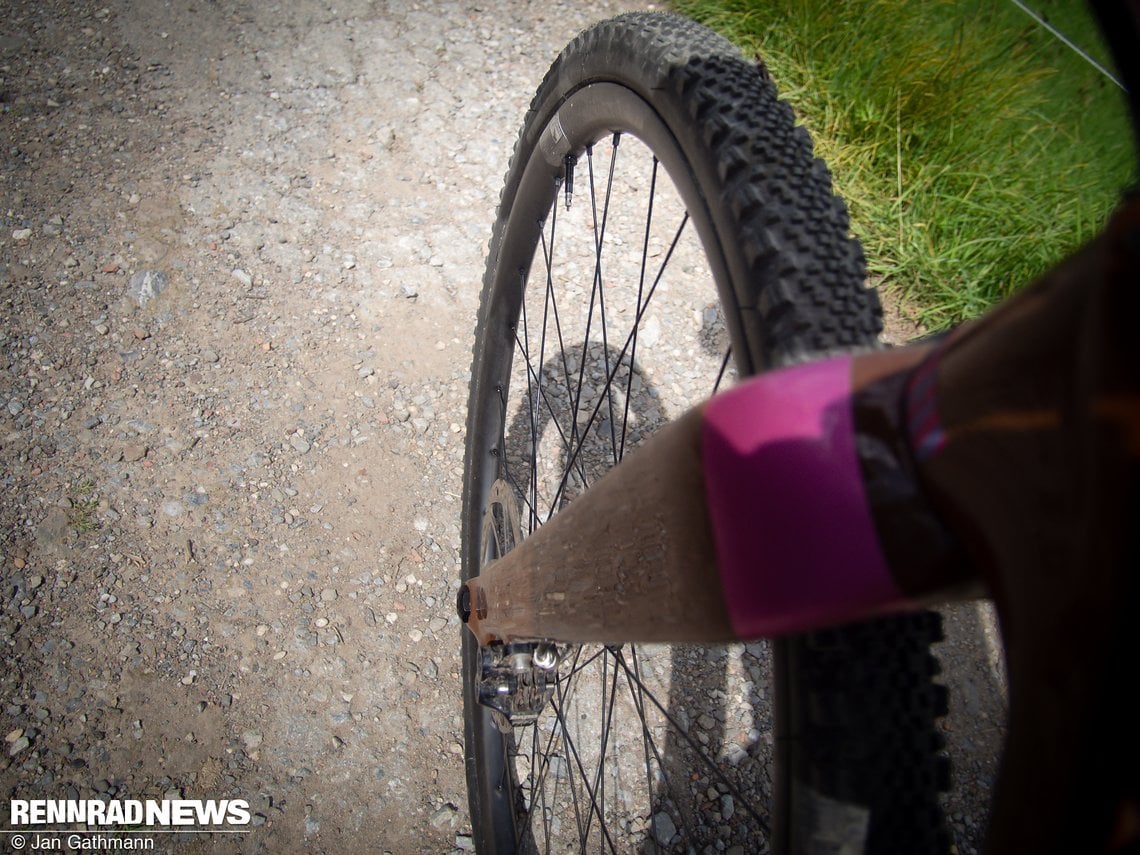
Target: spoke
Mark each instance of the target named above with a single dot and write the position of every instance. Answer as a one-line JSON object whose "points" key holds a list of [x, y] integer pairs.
{"points": [[567, 442], [560, 728], [576, 395], [579, 666], [539, 787], [505, 471], [633, 679], [600, 285], [530, 400], [568, 740], [552, 297], [640, 296], [548, 291], [621, 355], [647, 737], [609, 694], [538, 799], [723, 368], [563, 693], [700, 752]]}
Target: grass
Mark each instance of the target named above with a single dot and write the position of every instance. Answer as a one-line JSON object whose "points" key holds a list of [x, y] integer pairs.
{"points": [[84, 503], [973, 148]]}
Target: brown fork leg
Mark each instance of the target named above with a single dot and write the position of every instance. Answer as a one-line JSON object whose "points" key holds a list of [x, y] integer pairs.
{"points": [[631, 560], [1033, 463]]}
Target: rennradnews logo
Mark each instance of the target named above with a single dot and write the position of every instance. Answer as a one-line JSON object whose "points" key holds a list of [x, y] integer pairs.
{"points": [[134, 812]]}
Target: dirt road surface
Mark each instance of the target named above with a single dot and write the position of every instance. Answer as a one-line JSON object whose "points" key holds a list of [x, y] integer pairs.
{"points": [[239, 265]]}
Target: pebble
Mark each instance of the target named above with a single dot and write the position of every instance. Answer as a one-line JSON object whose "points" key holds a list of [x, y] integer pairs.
{"points": [[727, 807], [300, 443], [22, 234], [147, 285], [446, 816], [664, 830], [242, 277], [142, 426]]}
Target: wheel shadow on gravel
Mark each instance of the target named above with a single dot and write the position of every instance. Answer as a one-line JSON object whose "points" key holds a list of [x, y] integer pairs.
{"points": [[677, 704]]}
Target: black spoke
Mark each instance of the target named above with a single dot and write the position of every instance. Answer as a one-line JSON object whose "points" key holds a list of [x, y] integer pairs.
{"points": [[609, 695], [530, 400], [701, 753], [640, 297], [648, 743], [567, 442], [723, 369], [593, 807], [602, 294], [625, 347]]}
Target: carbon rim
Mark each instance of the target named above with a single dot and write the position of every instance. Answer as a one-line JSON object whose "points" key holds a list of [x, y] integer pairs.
{"points": [[604, 323]]}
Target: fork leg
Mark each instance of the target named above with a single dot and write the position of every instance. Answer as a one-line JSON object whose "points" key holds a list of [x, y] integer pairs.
{"points": [[1030, 449], [631, 560]]}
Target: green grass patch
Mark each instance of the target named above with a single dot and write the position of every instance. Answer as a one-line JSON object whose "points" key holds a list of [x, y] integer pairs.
{"points": [[84, 504], [973, 148]]}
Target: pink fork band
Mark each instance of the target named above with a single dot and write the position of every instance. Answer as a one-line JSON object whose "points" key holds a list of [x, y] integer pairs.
{"points": [[795, 539]]}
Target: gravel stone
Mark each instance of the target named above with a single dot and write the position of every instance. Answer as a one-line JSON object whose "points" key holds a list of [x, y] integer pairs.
{"points": [[664, 830], [147, 285]]}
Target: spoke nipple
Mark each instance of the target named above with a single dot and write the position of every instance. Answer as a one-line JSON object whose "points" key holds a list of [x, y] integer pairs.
{"points": [[568, 183]]}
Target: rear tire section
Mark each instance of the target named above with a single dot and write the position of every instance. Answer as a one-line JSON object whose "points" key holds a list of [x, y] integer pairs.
{"points": [[665, 228]]}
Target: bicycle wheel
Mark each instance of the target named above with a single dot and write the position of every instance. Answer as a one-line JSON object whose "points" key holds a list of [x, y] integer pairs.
{"points": [[665, 227]]}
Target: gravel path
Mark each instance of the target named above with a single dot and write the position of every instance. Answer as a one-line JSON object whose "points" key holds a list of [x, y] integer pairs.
{"points": [[239, 263]]}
